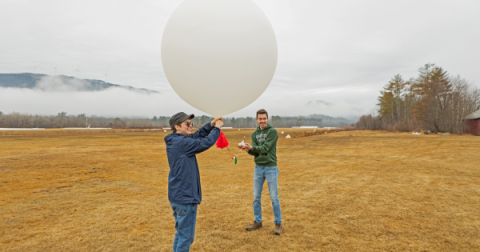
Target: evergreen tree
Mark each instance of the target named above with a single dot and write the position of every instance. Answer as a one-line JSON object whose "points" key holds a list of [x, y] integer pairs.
{"points": [[434, 89]]}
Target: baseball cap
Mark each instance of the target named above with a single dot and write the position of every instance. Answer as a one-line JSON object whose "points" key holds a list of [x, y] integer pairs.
{"points": [[179, 118]]}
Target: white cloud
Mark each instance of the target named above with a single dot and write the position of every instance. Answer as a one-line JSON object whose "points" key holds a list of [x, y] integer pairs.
{"points": [[59, 84]]}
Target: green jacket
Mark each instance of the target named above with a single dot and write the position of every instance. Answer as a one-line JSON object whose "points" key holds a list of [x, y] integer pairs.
{"points": [[264, 143]]}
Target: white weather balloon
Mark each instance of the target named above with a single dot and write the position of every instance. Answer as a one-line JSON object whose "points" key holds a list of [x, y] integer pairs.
{"points": [[219, 55]]}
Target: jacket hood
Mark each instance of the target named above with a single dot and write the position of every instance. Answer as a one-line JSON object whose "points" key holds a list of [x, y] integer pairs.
{"points": [[170, 137], [268, 127]]}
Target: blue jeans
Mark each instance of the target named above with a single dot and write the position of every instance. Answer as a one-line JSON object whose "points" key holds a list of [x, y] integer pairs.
{"points": [[185, 220], [271, 174]]}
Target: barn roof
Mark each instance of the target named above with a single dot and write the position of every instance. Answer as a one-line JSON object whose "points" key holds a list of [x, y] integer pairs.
{"points": [[474, 115]]}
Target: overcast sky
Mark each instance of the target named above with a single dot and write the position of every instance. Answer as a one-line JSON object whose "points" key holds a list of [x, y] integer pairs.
{"points": [[334, 56]]}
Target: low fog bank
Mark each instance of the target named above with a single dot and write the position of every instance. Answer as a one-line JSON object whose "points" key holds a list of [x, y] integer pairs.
{"points": [[111, 102], [51, 95], [119, 102], [62, 84]]}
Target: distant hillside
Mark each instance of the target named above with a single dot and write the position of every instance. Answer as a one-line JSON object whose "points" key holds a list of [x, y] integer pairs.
{"points": [[326, 118], [60, 82]]}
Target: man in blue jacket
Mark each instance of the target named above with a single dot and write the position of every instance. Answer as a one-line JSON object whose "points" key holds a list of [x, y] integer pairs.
{"points": [[184, 189]]}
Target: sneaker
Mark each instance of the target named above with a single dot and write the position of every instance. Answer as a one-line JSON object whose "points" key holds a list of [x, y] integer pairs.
{"points": [[278, 229], [254, 225]]}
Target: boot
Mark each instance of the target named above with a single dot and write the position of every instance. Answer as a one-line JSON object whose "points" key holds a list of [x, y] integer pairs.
{"points": [[278, 229], [254, 225]]}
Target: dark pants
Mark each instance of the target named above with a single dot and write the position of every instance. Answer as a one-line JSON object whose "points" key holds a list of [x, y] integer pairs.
{"points": [[185, 220]]}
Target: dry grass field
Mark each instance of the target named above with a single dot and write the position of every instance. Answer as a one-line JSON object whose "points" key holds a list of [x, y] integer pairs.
{"points": [[345, 191]]}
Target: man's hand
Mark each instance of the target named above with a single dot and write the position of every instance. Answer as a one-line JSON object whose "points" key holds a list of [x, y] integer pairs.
{"points": [[219, 123], [244, 147], [212, 123], [247, 147]]}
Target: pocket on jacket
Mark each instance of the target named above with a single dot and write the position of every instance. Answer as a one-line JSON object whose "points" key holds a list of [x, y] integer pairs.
{"points": [[272, 159]]}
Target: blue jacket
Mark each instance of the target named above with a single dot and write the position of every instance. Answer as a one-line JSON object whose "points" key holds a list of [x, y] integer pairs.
{"points": [[184, 178]]}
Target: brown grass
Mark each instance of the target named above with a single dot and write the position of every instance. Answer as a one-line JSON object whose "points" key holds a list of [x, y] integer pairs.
{"points": [[55, 131], [346, 191]]}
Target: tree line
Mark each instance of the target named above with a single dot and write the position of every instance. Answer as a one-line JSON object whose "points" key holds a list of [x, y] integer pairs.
{"points": [[62, 120], [276, 121], [433, 101]]}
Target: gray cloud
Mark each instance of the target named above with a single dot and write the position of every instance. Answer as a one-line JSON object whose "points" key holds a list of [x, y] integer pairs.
{"points": [[319, 103]]}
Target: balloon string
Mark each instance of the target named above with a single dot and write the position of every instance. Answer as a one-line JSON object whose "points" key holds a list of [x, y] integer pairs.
{"points": [[240, 151], [231, 155]]}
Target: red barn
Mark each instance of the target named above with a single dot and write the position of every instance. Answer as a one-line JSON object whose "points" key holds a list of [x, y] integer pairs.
{"points": [[473, 123]]}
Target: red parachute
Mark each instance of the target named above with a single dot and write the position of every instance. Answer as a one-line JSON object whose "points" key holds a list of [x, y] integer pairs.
{"points": [[222, 142]]}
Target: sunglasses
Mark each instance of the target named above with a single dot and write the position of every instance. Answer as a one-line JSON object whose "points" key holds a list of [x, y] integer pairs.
{"points": [[189, 124]]}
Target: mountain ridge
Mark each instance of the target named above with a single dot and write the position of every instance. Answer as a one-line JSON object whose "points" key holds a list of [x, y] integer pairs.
{"points": [[36, 81]]}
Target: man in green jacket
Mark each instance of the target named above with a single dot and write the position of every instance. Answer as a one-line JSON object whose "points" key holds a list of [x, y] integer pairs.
{"points": [[264, 148]]}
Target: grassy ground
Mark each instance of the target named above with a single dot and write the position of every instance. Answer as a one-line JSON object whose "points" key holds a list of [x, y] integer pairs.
{"points": [[346, 191]]}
